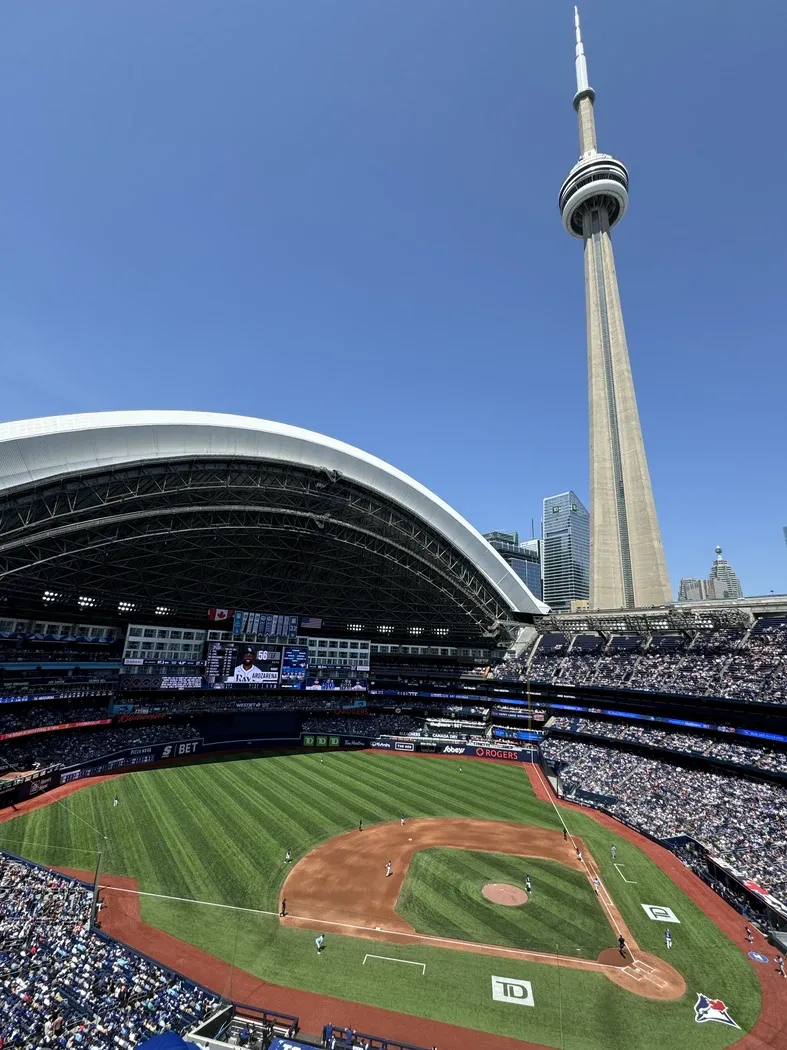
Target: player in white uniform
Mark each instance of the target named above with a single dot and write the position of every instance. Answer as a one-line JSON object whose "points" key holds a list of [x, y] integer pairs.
{"points": [[614, 851], [388, 868], [246, 670], [668, 937]]}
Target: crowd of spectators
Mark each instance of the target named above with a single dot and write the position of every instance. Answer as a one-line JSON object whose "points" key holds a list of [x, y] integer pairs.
{"points": [[722, 749], [728, 662], [371, 726], [63, 986], [741, 821], [16, 717], [84, 745]]}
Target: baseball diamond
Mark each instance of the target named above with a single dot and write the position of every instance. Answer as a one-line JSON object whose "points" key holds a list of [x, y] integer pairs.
{"points": [[202, 890]]}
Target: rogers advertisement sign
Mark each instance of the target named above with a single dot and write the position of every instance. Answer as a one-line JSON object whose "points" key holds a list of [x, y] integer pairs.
{"points": [[496, 752], [507, 754]]}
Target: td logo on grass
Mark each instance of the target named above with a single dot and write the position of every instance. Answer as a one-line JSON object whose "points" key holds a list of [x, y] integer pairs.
{"points": [[512, 990]]}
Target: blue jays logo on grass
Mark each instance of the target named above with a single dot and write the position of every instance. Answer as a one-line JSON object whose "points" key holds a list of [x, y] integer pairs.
{"points": [[706, 1009]]}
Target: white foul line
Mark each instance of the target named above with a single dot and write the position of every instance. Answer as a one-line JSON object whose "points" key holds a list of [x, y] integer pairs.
{"points": [[387, 958], [631, 882], [605, 904], [186, 900], [492, 948]]}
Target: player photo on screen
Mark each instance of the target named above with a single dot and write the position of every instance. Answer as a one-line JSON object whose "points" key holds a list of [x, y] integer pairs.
{"points": [[256, 666]]}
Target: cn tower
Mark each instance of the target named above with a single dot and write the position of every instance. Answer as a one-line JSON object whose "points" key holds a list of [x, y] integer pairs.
{"points": [[627, 566]]}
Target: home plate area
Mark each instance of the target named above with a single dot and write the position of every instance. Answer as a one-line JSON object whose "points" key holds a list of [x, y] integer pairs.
{"points": [[345, 886]]}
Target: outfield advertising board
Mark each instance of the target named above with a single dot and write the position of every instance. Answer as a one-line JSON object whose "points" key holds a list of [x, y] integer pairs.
{"points": [[508, 754]]}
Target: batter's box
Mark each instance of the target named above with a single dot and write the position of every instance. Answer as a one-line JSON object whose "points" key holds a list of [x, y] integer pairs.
{"points": [[660, 913], [512, 990]]}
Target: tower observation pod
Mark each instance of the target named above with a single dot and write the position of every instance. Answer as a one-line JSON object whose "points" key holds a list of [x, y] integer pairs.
{"points": [[627, 565]]}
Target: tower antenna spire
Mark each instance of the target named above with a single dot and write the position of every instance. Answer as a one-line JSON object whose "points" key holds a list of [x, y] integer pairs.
{"points": [[583, 87], [585, 96]]}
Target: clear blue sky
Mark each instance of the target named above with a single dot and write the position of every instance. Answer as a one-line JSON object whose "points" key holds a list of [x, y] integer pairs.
{"points": [[342, 214]]}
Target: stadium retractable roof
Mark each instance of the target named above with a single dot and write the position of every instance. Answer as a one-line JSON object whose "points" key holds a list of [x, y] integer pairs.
{"points": [[194, 509]]}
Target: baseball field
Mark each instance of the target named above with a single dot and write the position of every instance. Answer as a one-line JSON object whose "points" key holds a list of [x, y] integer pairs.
{"points": [[452, 934]]}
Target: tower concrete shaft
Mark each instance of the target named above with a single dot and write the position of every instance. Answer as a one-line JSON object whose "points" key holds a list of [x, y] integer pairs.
{"points": [[627, 565]]}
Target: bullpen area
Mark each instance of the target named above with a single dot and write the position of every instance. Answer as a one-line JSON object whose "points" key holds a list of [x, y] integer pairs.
{"points": [[444, 890]]}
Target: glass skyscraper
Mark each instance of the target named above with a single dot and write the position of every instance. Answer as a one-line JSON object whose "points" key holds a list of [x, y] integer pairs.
{"points": [[565, 551], [524, 557]]}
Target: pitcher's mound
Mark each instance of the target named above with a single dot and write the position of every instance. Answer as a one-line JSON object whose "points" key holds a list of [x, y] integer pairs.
{"points": [[503, 893]]}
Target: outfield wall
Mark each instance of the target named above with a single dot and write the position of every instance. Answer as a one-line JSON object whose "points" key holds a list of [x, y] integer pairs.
{"points": [[418, 746], [178, 751]]}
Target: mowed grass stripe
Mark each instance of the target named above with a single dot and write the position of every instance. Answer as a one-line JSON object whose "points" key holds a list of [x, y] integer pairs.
{"points": [[238, 816], [442, 897]]}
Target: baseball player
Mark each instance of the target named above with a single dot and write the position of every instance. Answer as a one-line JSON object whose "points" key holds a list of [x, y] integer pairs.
{"points": [[401, 820], [565, 835], [596, 884], [749, 934], [246, 671], [613, 851], [388, 868], [287, 857], [579, 855], [360, 825], [527, 883], [115, 801], [320, 942], [283, 910], [780, 964], [622, 945], [668, 937]]}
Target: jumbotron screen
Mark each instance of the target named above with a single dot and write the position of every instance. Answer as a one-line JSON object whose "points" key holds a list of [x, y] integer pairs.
{"points": [[235, 663]]}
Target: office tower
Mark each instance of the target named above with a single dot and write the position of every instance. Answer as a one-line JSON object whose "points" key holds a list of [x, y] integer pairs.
{"points": [[692, 590], [627, 566], [565, 552], [524, 557], [722, 581], [722, 584]]}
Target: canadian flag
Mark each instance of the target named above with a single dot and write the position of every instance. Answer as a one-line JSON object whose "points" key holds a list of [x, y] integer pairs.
{"points": [[219, 614]]}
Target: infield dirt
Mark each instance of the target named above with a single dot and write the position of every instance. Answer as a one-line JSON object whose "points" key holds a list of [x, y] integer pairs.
{"points": [[342, 886]]}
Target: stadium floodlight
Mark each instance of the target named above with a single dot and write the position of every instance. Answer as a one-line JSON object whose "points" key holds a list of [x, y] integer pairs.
{"points": [[354, 626], [415, 630], [442, 632], [163, 610], [51, 596], [126, 607], [85, 602], [385, 629]]}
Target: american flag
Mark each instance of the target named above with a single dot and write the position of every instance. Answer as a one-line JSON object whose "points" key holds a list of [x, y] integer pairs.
{"points": [[308, 622]]}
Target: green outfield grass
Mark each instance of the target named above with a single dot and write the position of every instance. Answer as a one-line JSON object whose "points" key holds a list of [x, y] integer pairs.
{"points": [[442, 896], [218, 833]]}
